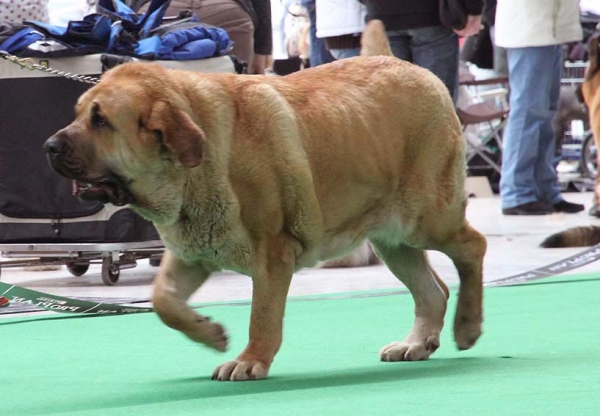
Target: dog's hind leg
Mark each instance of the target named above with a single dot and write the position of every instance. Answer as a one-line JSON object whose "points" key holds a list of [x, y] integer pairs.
{"points": [[174, 284], [411, 267], [466, 250]]}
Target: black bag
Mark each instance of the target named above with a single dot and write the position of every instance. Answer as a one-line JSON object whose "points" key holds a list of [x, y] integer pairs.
{"points": [[36, 204], [453, 14]]}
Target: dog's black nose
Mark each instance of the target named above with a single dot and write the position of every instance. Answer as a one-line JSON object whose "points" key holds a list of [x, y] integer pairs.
{"points": [[54, 146]]}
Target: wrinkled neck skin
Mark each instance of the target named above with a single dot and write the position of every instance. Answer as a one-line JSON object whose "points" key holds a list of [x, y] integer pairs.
{"points": [[203, 214], [203, 222]]}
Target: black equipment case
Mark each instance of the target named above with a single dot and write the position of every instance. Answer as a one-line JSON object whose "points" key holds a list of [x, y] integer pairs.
{"points": [[36, 204]]}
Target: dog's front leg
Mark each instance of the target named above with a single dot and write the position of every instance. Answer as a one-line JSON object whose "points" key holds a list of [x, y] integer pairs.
{"points": [[271, 282], [175, 283]]}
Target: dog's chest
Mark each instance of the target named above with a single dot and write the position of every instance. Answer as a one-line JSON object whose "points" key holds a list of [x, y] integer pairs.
{"points": [[219, 244]]}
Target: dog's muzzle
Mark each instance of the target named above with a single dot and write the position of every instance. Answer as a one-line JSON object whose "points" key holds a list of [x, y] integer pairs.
{"points": [[106, 188]]}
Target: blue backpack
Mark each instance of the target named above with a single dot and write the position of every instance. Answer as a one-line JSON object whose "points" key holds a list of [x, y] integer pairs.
{"points": [[117, 29]]}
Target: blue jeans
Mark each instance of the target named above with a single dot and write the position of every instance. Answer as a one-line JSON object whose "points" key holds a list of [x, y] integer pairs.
{"points": [[345, 53], [434, 48], [528, 158], [318, 51]]}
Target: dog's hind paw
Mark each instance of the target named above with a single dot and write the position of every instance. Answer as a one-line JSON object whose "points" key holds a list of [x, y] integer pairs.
{"points": [[241, 371], [467, 330]]}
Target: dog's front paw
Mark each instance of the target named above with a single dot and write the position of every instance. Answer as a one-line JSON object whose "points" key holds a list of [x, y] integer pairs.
{"points": [[209, 333], [241, 371], [410, 351]]}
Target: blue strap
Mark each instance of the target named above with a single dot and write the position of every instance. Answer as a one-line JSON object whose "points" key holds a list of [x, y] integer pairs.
{"points": [[153, 18], [21, 40], [140, 24], [54, 31], [121, 41], [117, 10], [93, 28], [148, 48]]}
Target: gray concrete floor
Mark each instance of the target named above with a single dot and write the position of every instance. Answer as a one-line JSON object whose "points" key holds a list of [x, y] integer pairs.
{"points": [[512, 248]]}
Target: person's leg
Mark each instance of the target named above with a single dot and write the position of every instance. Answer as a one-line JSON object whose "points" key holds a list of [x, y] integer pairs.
{"points": [[344, 53], [227, 14], [400, 44], [319, 54], [529, 96], [232, 17], [545, 168], [436, 48], [500, 64]]}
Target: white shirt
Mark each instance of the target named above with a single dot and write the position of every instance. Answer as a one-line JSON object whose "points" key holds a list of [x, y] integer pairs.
{"points": [[340, 17], [525, 23]]}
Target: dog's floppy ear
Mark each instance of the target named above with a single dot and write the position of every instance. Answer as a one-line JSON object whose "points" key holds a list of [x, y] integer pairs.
{"points": [[594, 56], [179, 133]]}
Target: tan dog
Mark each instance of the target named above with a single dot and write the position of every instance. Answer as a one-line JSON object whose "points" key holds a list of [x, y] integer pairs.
{"points": [[266, 175], [590, 90]]}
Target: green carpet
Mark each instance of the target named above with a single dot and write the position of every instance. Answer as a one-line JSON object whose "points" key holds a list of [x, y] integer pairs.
{"points": [[539, 355]]}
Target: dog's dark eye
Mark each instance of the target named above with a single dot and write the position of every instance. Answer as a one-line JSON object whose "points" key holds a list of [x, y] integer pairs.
{"points": [[159, 139], [98, 119]]}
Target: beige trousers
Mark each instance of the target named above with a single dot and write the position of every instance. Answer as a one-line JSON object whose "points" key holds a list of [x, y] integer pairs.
{"points": [[227, 14]]}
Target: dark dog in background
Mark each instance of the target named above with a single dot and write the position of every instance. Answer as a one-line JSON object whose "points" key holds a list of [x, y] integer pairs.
{"points": [[590, 91]]}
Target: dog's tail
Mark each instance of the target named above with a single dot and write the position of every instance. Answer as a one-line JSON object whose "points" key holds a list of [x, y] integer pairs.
{"points": [[574, 237], [374, 40]]}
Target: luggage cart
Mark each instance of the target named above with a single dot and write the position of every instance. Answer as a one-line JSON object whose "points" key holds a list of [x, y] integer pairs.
{"points": [[52, 78], [578, 152], [77, 257]]}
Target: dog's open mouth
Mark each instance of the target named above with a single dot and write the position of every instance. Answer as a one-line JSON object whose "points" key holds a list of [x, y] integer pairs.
{"points": [[107, 190]]}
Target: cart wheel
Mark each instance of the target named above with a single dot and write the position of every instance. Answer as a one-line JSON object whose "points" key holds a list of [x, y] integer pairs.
{"points": [[78, 269], [589, 166], [110, 272], [155, 261]]}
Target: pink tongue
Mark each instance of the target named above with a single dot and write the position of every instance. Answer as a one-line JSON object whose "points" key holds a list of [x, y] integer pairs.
{"points": [[75, 188]]}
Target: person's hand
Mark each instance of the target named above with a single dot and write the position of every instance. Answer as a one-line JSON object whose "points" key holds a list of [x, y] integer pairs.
{"points": [[258, 64], [472, 28]]}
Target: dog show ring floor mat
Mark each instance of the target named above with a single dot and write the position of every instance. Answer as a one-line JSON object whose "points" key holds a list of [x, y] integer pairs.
{"points": [[539, 355]]}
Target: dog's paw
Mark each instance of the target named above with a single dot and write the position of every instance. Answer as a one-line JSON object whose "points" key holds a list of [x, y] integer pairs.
{"points": [[467, 329], [241, 371], [410, 351], [209, 333]]}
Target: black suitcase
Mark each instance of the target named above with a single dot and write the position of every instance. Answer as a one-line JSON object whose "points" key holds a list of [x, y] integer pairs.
{"points": [[36, 204]]}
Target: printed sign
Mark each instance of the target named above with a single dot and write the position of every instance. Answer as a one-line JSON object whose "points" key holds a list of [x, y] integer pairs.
{"points": [[30, 297]]}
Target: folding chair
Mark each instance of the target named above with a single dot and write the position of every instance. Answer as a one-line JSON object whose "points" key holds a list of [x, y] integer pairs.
{"points": [[483, 121]]}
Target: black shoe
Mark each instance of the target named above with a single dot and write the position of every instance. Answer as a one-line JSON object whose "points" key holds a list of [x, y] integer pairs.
{"points": [[568, 207], [530, 208]]}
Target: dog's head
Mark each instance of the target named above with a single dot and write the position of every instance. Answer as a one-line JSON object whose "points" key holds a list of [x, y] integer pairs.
{"points": [[133, 140]]}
